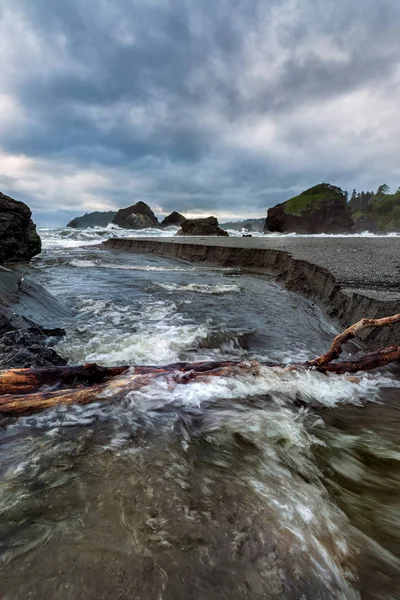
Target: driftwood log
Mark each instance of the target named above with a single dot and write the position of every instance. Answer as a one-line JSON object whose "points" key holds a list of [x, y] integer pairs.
{"points": [[25, 391]]}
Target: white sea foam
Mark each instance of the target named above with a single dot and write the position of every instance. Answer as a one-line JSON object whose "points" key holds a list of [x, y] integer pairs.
{"points": [[279, 385], [202, 288], [73, 238], [98, 263], [154, 333]]}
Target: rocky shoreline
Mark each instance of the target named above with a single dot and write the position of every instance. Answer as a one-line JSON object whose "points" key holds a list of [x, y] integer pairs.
{"points": [[351, 277]]}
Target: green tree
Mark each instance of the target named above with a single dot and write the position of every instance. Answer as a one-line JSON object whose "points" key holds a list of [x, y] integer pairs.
{"points": [[383, 189]]}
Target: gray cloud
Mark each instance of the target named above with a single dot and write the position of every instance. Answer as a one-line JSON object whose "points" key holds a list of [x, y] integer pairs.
{"points": [[225, 107]]}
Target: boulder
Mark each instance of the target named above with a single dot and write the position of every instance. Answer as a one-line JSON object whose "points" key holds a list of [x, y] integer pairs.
{"points": [[320, 209], [138, 216], [30, 348], [175, 219], [29, 319], [208, 226], [18, 237]]}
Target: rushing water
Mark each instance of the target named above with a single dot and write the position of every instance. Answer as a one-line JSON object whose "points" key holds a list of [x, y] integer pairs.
{"points": [[257, 486]]}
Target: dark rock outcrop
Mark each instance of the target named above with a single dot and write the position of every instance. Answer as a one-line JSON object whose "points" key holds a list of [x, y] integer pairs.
{"points": [[320, 209], [18, 237], [208, 226], [29, 319], [30, 347], [175, 219], [138, 216], [92, 219]]}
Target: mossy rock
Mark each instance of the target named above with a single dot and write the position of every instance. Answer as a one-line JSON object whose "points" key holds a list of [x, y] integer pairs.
{"points": [[320, 209], [313, 198]]}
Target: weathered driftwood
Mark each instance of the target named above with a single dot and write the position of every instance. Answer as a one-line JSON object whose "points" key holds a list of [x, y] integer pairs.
{"points": [[25, 391], [337, 345]]}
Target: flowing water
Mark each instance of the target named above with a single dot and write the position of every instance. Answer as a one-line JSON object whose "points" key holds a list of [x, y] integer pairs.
{"points": [[256, 486]]}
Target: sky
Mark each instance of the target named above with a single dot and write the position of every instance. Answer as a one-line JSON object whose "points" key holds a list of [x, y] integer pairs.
{"points": [[221, 107]]}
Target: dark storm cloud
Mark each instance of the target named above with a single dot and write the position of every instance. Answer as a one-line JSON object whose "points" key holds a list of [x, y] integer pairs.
{"points": [[224, 107]]}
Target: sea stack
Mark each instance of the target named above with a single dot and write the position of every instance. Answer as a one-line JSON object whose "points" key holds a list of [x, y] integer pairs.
{"points": [[320, 209], [92, 219], [138, 216], [207, 226], [19, 239], [175, 219]]}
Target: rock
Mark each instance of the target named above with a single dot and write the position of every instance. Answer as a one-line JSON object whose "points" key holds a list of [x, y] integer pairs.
{"points": [[93, 219], [208, 226], [30, 347], [321, 209], [364, 223], [175, 219], [27, 312], [18, 237], [138, 216]]}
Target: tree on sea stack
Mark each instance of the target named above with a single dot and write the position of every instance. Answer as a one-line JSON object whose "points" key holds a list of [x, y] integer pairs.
{"points": [[25, 391]]}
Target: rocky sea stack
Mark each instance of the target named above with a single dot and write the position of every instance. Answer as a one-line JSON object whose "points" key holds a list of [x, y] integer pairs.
{"points": [[19, 239], [175, 219], [320, 209], [92, 219], [208, 226], [138, 216]]}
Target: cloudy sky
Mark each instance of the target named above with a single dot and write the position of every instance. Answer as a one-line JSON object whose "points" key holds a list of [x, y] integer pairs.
{"points": [[218, 107]]}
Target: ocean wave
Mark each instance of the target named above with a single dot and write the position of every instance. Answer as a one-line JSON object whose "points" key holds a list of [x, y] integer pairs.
{"points": [[72, 238], [201, 288]]}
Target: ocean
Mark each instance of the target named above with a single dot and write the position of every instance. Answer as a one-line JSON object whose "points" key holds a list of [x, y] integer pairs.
{"points": [[263, 485]]}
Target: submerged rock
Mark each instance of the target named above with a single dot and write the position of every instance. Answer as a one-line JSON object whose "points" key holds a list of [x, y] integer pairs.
{"points": [[208, 226], [19, 239], [138, 216], [175, 219], [29, 319], [320, 209]]}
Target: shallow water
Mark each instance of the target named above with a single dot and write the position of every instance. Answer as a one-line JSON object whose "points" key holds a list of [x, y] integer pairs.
{"points": [[261, 485]]}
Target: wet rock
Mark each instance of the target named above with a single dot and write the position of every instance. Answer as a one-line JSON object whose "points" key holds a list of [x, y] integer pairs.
{"points": [[175, 219], [138, 216], [208, 226], [30, 347], [29, 319], [19, 239], [320, 209]]}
